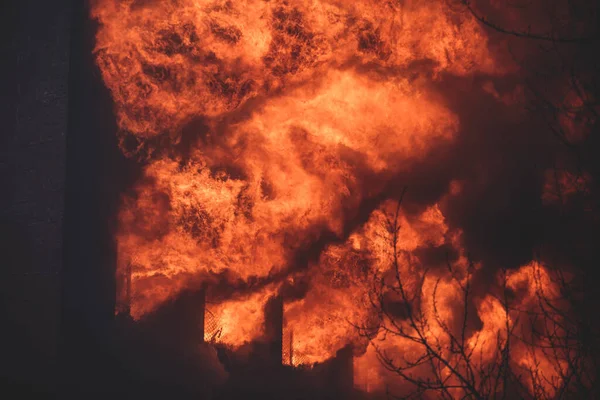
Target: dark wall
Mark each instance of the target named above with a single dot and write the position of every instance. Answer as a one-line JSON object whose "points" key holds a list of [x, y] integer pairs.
{"points": [[96, 173], [61, 174], [35, 40]]}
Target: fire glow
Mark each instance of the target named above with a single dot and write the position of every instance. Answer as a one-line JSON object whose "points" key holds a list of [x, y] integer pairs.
{"points": [[304, 114]]}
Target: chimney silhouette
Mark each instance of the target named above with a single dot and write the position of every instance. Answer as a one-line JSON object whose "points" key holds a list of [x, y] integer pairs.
{"points": [[274, 328], [127, 308], [344, 369]]}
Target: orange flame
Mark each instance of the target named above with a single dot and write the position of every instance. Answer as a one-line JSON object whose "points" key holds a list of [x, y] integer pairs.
{"points": [[309, 108]]}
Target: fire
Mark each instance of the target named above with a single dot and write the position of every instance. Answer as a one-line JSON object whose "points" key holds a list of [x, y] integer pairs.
{"points": [[166, 62], [310, 109], [235, 322]]}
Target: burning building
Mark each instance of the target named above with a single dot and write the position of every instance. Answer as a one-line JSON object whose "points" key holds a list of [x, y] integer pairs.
{"points": [[306, 200]]}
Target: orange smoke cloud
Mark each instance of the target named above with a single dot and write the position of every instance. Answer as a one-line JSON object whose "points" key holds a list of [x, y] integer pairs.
{"points": [[311, 109]]}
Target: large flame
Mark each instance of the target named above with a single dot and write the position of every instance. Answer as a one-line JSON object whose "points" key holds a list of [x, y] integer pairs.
{"points": [[308, 110]]}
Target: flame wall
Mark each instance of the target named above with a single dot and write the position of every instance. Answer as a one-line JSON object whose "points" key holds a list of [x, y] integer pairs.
{"points": [[274, 137]]}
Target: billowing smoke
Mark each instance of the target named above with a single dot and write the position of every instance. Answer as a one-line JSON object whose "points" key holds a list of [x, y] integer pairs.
{"points": [[276, 138]]}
